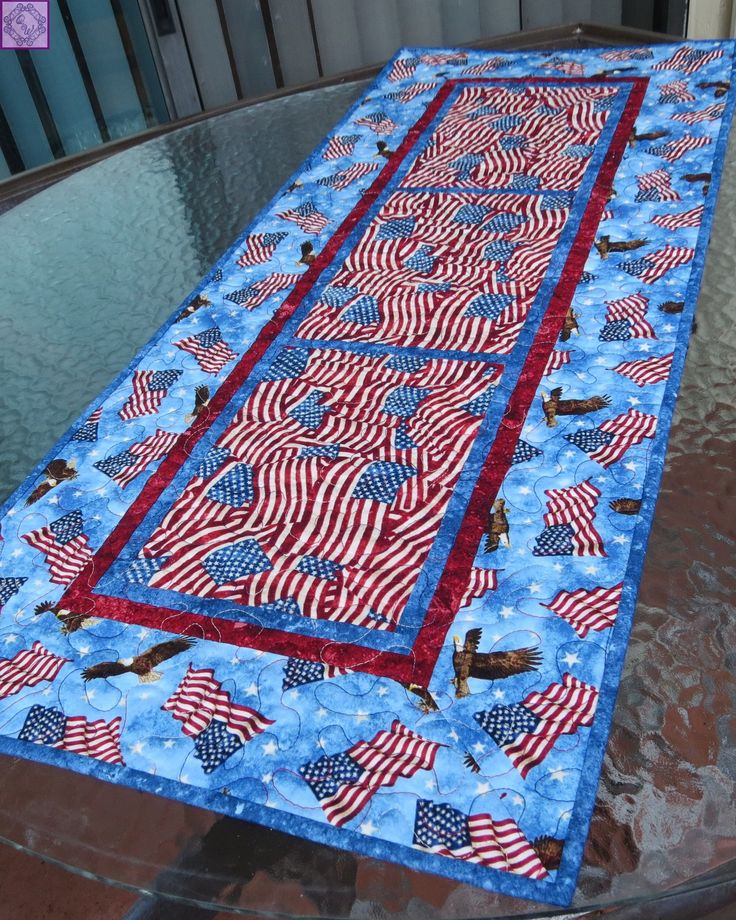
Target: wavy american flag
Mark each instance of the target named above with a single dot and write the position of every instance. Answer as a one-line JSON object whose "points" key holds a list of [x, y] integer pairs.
{"points": [[257, 293], [342, 145], [675, 92], [378, 122], [260, 247], [307, 217], [199, 699], [627, 314], [558, 358], [569, 528], [480, 581], [688, 60], [646, 370], [608, 443], [64, 545], [691, 218], [675, 149], [402, 69], [654, 265], [209, 349], [496, 843], [125, 466], [587, 610], [346, 177], [150, 388], [656, 186], [77, 734], [345, 783], [527, 731], [28, 668], [710, 113]]}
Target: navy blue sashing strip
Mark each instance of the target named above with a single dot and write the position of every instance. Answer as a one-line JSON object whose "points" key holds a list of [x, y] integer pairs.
{"points": [[114, 583]]}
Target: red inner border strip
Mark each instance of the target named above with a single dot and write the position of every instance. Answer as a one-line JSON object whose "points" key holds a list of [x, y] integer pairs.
{"points": [[415, 665]]}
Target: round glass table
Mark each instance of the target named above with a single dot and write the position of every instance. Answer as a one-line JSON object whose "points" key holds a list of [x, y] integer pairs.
{"points": [[90, 268]]}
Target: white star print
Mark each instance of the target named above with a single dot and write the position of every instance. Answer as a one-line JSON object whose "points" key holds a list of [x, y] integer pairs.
{"points": [[270, 748]]}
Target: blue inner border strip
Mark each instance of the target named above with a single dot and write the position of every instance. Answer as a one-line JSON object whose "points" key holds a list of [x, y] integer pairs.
{"points": [[401, 639]]}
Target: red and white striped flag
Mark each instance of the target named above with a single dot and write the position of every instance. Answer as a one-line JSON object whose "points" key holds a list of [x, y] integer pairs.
{"points": [[99, 739], [480, 581], [486, 67], [306, 217], [259, 247], [628, 430], [28, 668], [652, 267], [411, 92], [688, 60], [711, 113], [586, 610], [125, 466], [569, 68], [378, 122], [647, 370], [402, 69], [656, 186], [366, 767], [527, 731], [569, 528], [343, 179], [340, 146], [199, 699], [150, 388], [258, 292], [632, 308], [673, 150], [558, 358], [443, 58], [691, 218], [627, 54], [498, 844], [66, 548], [675, 92], [209, 349]]}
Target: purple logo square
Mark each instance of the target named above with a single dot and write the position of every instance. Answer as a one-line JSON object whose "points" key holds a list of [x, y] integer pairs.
{"points": [[25, 25]]}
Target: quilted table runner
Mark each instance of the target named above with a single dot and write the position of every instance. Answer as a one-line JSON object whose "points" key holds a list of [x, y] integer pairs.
{"points": [[352, 548]]}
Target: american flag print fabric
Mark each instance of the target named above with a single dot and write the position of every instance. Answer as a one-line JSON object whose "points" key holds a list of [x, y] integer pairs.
{"points": [[149, 390], [28, 668], [569, 522], [318, 556], [527, 731], [218, 726], [476, 838], [646, 370], [259, 248], [586, 610], [65, 546], [344, 783], [98, 739], [608, 443], [209, 350]]}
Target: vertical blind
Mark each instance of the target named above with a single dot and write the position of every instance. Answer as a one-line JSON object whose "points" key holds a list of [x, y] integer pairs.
{"points": [[116, 67]]}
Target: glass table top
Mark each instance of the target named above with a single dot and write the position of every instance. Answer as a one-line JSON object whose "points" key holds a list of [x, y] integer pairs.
{"points": [[90, 268]]}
